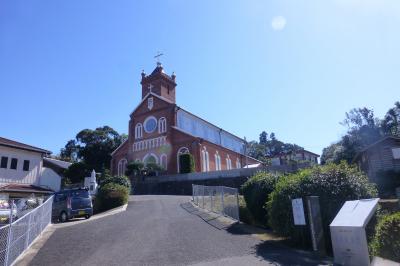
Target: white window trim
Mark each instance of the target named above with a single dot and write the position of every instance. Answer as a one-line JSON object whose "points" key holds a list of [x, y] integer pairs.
{"points": [[162, 125], [238, 165], [182, 150], [122, 167], [166, 161], [145, 121], [138, 131], [148, 155], [217, 161]]}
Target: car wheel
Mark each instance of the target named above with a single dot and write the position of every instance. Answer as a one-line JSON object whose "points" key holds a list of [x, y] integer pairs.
{"points": [[87, 216], [63, 217]]}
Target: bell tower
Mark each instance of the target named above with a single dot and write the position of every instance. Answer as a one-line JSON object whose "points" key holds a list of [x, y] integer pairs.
{"points": [[160, 83]]}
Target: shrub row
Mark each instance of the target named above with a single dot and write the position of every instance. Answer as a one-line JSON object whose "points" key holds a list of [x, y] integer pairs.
{"points": [[334, 184], [386, 241]]}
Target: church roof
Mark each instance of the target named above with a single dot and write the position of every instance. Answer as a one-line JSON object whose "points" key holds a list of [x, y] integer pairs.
{"points": [[152, 94]]}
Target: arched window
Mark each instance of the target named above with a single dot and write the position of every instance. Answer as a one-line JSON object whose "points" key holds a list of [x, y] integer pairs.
{"points": [[182, 150], [238, 165], [122, 167], [150, 158], [217, 161], [163, 161], [228, 163], [205, 160], [162, 125], [138, 131]]}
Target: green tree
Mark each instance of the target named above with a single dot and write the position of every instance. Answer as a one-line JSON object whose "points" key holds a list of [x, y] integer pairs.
{"points": [[93, 147], [76, 172], [134, 168]]}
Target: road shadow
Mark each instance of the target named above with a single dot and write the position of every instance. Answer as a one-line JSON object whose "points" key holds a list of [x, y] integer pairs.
{"points": [[273, 248], [277, 251], [210, 218]]}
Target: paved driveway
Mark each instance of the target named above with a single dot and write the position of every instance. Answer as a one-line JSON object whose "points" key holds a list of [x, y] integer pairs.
{"points": [[156, 230]]}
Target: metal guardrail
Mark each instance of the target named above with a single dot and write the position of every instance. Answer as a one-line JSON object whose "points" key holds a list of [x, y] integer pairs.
{"points": [[218, 199], [17, 236]]}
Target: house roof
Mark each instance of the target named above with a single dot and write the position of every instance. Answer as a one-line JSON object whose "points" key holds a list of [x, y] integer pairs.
{"points": [[57, 163], [18, 145], [374, 144], [27, 188], [285, 154]]}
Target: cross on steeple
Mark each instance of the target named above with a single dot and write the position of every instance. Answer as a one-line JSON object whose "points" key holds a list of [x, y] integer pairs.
{"points": [[157, 56]]}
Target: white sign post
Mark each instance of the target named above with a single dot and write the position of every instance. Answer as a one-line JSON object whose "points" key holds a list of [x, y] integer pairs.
{"points": [[298, 212], [349, 241]]}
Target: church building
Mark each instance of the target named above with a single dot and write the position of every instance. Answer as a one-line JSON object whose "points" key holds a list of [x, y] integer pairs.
{"points": [[160, 131]]}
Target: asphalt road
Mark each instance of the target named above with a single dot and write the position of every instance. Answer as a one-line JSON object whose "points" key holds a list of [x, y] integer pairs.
{"points": [[158, 230]]}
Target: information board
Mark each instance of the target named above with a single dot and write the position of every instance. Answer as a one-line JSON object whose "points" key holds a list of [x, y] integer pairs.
{"points": [[298, 212]]}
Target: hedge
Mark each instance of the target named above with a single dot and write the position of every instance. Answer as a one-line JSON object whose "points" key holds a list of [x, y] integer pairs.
{"points": [[112, 195], [386, 241], [334, 184], [256, 191], [121, 180]]}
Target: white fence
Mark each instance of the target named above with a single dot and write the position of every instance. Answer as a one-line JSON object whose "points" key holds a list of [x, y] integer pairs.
{"points": [[218, 199], [16, 237]]}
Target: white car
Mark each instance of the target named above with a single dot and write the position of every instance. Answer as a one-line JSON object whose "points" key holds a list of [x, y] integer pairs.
{"points": [[5, 211]]}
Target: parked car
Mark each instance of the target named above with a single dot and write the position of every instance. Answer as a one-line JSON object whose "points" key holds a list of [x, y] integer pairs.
{"points": [[5, 211], [72, 203]]}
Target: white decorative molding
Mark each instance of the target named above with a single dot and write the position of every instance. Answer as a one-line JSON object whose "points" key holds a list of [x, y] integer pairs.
{"points": [[148, 144]]}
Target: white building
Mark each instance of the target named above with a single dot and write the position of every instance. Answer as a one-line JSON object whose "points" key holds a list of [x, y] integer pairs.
{"points": [[22, 171]]}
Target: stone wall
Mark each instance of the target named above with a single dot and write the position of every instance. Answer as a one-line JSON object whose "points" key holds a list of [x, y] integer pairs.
{"points": [[182, 184]]}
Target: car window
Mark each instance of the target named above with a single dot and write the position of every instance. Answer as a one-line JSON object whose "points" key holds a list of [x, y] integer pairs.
{"points": [[80, 194], [60, 197]]}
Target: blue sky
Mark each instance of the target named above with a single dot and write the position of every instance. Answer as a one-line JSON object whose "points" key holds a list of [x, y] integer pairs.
{"points": [[289, 67]]}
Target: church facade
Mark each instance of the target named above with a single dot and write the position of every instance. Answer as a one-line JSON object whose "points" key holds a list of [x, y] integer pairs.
{"points": [[160, 131]]}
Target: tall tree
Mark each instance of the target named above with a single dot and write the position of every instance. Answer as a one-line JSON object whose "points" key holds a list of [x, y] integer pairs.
{"points": [[93, 147], [363, 129]]}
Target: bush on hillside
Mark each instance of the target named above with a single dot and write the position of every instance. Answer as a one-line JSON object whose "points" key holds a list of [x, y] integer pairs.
{"points": [[334, 184], [112, 195], [256, 191], [186, 163], [386, 242]]}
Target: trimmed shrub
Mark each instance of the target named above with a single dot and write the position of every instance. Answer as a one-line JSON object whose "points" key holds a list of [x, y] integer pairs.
{"points": [[244, 213], [186, 163], [134, 168], [386, 242], [256, 191], [112, 195], [334, 184], [120, 180]]}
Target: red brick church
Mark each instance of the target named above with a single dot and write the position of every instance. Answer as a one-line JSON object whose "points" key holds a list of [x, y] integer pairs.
{"points": [[160, 131]]}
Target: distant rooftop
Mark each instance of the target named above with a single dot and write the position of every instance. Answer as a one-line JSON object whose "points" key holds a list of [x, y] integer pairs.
{"points": [[18, 145]]}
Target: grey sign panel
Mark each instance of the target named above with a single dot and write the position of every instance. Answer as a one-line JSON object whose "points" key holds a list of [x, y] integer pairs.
{"points": [[349, 240]]}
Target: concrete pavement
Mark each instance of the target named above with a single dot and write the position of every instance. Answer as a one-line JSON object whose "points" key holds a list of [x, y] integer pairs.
{"points": [[157, 230]]}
